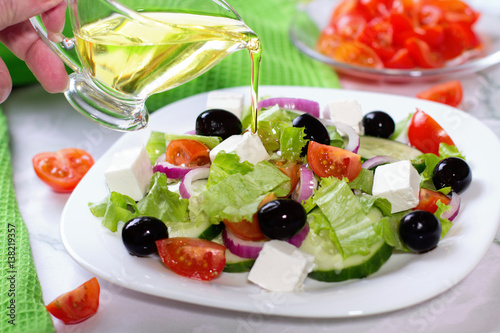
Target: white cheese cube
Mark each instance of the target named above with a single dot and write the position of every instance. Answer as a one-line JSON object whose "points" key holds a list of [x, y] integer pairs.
{"points": [[399, 183], [130, 172], [348, 112], [247, 146], [227, 101], [281, 267]]}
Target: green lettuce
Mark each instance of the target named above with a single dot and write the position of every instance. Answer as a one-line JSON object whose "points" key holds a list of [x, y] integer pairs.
{"points": [[160, 202], [345, 217], [238, 195], [156, 145], [114, 208]]}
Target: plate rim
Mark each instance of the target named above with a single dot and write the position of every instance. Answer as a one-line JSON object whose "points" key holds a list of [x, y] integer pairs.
{"points": [[287, 310]]}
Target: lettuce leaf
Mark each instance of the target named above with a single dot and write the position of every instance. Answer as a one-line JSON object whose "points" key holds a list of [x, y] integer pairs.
{"points": [[162, 203], [349, 226], [114, 208], [292, 142], [156, 146], [237, 196]]}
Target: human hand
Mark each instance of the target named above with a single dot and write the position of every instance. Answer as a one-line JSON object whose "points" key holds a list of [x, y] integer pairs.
{"points": [[17, 34]]}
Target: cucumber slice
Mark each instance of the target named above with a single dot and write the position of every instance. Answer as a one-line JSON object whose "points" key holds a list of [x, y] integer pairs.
{"points": [[190, 229], [371, 146], [236, 264], [330, 266]]}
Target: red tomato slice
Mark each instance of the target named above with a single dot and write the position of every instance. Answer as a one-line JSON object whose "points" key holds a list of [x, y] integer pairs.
{"points": [[378, 34], [330, 161], [402, 28], [450, 93], [77, 305], [349, 26], [422, 54], [431, 34], [249, 230], [425, 134], [64, 169], [195, 258], [356, 53], [429, 198], [186, 152], [400, 60], [454, 41], [290, 169], [456, 11]]}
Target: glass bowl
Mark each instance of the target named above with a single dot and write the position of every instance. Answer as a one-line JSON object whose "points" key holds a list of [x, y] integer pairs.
{"points": [[312, 16]]}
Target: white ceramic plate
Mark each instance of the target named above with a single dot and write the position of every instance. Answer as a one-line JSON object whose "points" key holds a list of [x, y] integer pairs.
{"points": [[405, 280]]}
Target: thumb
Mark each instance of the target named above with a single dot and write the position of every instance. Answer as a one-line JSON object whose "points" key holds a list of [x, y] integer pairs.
{"points": [[16, 11]]}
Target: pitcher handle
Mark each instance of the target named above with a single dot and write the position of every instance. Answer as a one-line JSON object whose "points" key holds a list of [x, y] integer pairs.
{"points": [[65, 49]]}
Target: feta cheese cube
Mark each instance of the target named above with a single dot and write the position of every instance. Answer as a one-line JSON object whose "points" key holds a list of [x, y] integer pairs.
{"points": [[281, 267], [399, 183], [227, 101], [130, 172], [247, 146], [347, 111]]}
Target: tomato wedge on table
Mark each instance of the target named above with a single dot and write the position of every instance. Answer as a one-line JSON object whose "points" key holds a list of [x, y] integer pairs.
{"points": [[64, 169], [428, 200], [450, 93], [194, 258], [330, 161], [77, 305], [187, 152], [425, 134]]}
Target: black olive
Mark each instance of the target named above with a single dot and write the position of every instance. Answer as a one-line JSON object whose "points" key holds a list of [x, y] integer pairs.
{"points": [[218, 122], [378, 124], [420, 231], [281, 219], [313, 128], [453, 172], [140, 234]]}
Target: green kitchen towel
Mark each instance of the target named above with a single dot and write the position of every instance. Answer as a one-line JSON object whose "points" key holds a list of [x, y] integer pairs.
{"points": [[282, 64], [22, 308]]}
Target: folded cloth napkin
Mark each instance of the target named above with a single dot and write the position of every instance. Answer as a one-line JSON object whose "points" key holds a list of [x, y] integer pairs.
{"points": [[22, 308], [282, 64]]}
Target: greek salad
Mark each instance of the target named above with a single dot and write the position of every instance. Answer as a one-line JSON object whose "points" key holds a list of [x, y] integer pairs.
{"points": [[326, 192]]}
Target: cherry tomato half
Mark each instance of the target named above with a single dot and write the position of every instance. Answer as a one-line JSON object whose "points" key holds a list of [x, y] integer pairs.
{"points": [[195, 258], [429, 198], [187, 152], [64, 169], [450, 93], [77, 305], [425, 134], [249, 230], [330, 161]]}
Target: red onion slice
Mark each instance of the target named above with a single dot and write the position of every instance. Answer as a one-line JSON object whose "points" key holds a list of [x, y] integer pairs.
{"points": [[186, 186], [454, 207], [353, 140], [242, 248], [299, 237], [306, 186], [297, 104], [170, 170], [377, 160]]}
